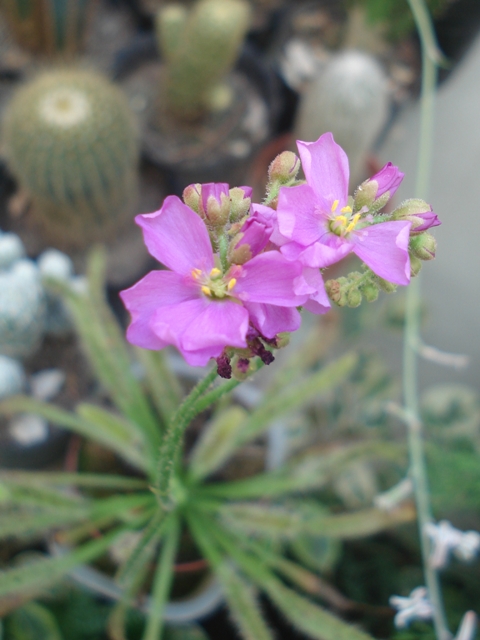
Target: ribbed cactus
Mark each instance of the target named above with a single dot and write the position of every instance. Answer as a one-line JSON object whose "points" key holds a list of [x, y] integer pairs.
{"points": [[200, 47], [71, 142], [49, 27]]}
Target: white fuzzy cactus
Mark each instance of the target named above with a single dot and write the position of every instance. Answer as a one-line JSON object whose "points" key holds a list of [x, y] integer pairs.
{"points": [[349, 97]]}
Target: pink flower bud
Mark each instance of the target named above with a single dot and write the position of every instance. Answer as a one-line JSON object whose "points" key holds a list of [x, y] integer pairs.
{"points": [[215, 203], [253, 236], [419, 213], [387, 179]]}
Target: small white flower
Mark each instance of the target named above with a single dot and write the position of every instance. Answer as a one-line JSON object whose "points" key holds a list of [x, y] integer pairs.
{"points": [[446, 540], [416, 607]]}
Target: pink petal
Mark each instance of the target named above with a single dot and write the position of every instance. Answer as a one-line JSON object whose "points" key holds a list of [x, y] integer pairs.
{"points": [[271, 320], [384, 248], [318, 254], [269, 278], [319, 302], [221, 324], [388, 179], [177, 237], [156, 289], [326, 169], [170, 322], [298, 216]]}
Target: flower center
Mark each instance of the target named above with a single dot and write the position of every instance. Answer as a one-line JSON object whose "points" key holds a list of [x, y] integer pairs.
{"points": [[344, 223], [215, 284]]}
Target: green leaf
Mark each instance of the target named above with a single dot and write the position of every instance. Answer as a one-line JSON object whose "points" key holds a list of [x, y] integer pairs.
{"points": [[216, 441], [34, 578], [286, 522], [30, 525], [162, 582], [185, 632], [311, 470], [243, 604], [296, 396], [102, 433], [93, 480], [33, 622]]}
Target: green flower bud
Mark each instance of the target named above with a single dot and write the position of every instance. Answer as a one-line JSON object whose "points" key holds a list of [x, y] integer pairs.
{"points": [[415, 266], [240, 202], [370, 291], [354, 298], [283, 340], [386, 286], [192, 195], [365, 194], [241, 254], [423, 246], [284, 168]]}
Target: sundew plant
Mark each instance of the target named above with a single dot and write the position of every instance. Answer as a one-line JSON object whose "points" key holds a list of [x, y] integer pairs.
{"points": [[236, 278]]}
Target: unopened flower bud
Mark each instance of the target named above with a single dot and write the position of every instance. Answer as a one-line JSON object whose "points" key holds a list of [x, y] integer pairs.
{"points": [[379, 188], [386, 286], [418, 212], [215, 203], [191, 196], [354, 298], [240, 368], [370, 291], [415, 266], [423, 246], [240, 201], [365, 194], [253, 237], [284, 168], [335, 291]]}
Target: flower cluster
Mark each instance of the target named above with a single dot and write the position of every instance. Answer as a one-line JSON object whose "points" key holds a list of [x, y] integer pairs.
{"points": [[237, 272]]}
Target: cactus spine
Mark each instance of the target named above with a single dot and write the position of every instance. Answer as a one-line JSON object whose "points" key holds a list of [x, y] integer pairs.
{"points": [[199, 47], [71, 142], [49, 27]]}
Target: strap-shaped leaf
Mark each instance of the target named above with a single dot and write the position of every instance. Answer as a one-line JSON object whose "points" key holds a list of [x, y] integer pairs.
{"points": [[311, 470], [286, 522], [53, 478], [36, 577], [163, 385], [33, 622], [216, 442], [100, 432]]}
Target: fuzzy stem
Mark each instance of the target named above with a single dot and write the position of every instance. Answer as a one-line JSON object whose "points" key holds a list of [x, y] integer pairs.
{"points": [[173, 438], [412, 322]]}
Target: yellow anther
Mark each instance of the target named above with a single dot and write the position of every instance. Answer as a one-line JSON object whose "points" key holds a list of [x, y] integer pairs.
{"points": [[353, 223], [214, 273], [196, 273], [334, 205], [231, 284], [206, 290], [342, 220], [346, 209]]}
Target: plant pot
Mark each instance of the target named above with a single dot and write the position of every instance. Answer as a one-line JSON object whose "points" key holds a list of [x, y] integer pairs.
{"points": [[220, 148]]}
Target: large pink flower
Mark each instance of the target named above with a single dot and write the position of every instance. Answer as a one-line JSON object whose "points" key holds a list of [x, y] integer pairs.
{"points": [[321, 229], [197, 307]]}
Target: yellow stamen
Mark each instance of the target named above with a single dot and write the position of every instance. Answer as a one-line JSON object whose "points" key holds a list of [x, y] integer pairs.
{"points": [[353, 223], [196, 273], [206, 290], [342, 219], [231, 284], [214, 273], [346, 209], [334, 205]]}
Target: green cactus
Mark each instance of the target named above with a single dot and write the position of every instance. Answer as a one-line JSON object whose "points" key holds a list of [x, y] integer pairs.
{"points": [[71, 142], [49, 27], [199, 48]]}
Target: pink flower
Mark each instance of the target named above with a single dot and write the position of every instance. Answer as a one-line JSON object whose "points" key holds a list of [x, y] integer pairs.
{"points": [[318, 221], [197, 307]]}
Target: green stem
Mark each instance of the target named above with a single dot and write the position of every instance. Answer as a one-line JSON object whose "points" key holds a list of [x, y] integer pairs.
{"points": [[412, 321], [173, 439]]}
